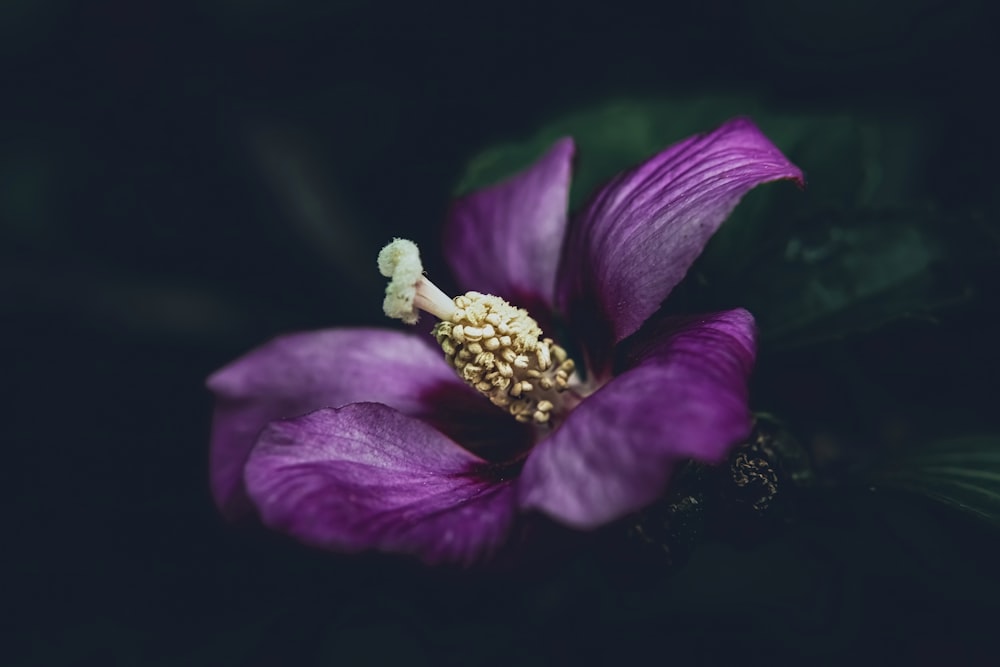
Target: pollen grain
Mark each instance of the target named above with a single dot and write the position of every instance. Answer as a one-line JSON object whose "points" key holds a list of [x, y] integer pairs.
{"points": [[496, 348]]}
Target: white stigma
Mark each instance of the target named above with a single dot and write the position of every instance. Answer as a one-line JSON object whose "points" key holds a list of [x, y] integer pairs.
{"points": [[409, 290]]}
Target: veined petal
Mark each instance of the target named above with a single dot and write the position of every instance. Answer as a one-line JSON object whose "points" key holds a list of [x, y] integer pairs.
{"points": [[365, 476], [302, 372], [506, 239], [639, 235], [614, 454]]}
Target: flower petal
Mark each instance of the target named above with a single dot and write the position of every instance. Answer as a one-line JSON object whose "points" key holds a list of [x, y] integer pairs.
{"points": [[302, 372], [365, 476], [506, 239], [614, 454], [640, 234]]}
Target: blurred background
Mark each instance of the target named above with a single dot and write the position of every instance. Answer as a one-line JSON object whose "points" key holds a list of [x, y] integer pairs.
{"points": [[181, 181]]}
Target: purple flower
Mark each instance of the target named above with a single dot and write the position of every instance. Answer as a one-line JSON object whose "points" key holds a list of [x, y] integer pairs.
{"points": [[357, 439]]}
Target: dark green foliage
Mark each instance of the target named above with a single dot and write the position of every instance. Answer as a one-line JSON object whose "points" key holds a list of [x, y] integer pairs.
{"points": [[961, 473]]}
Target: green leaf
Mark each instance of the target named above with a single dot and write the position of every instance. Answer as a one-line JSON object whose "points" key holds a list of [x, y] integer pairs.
{"points": [[849, 254], [962, 473], [835, 273], [845, 157]]}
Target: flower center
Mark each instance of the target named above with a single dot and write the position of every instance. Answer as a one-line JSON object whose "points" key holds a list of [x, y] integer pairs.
{"points": [[495, 347]]}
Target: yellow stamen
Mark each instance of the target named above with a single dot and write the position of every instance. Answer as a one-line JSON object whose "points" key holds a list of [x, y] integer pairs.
{"points": [[496, 348], [518, 370]]}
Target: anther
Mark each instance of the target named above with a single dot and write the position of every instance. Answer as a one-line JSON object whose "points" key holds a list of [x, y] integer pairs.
{"points": [[509, 360], [496, 348]]}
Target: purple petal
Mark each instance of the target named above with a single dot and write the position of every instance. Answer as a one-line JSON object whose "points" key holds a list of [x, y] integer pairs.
{"points": [[506, 239], [640, 234], [299, 373], [365, 476], [614, 454]]}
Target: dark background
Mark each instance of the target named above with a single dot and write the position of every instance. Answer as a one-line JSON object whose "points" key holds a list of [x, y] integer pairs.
{"points": [[181, 181]]}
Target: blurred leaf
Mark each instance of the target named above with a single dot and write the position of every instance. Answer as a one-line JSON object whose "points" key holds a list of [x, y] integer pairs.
{"points": [[850, 254], [844, 156], [963, 474], [837, 273], [316, 210]]}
